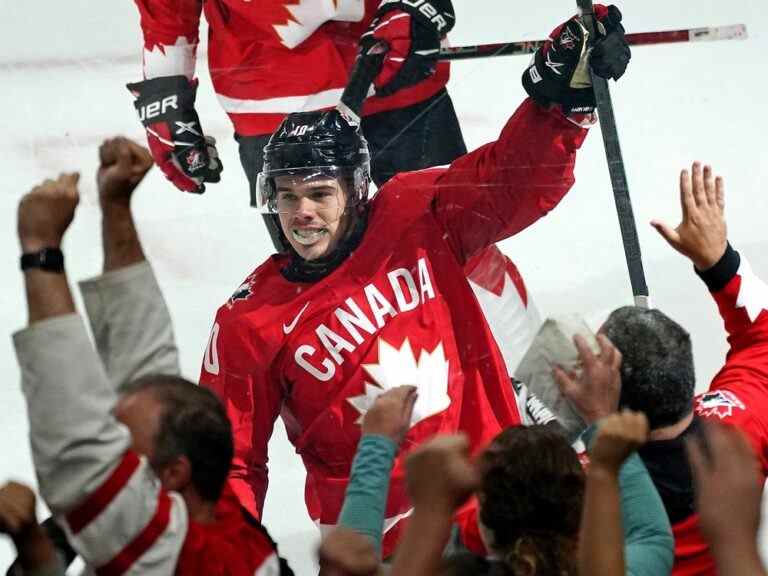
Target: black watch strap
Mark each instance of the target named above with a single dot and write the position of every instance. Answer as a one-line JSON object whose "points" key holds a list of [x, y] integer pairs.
{"points": [[49, 259]]}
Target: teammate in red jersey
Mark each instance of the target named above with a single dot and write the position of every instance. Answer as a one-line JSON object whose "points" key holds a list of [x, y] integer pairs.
{"points": [[658, 374], [274, 57], [373, 295]]}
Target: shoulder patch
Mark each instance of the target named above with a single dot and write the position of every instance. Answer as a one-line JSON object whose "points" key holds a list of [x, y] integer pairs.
{"points": [[720, 403]]}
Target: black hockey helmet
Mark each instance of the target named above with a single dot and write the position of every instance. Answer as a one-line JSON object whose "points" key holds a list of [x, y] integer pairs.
{"points": [[313, 144]]}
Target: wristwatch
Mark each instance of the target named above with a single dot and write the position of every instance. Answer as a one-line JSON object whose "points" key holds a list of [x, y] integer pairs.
{"points": [[48, 259]]}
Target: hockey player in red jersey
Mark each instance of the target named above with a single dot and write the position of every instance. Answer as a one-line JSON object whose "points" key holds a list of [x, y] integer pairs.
{"points": [[284, 56], [658, 373], [373, 295]]}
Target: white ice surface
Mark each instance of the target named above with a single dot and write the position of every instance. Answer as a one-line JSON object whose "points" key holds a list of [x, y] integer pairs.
{"points": [[63, 67]]}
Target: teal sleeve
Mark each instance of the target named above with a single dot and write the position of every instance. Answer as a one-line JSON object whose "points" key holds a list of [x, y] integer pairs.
{"points": [[648, 541], [366, 498]]}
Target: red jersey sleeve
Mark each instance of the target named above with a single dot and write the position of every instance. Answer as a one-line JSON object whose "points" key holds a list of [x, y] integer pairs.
{"points": [[739, 392], [233, 368], [171, 34], [505, 186]]}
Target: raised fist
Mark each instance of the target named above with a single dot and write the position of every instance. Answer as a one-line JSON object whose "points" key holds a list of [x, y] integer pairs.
{"points": [[560, 71], [391, 413], [440, 475], [46, 212], [122, 165], [619, 435], [344, 552], [17, 508]]}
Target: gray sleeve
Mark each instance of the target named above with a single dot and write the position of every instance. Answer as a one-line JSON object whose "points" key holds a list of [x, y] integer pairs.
{"points": [[75, 441], [131, 324], [103, 493]]}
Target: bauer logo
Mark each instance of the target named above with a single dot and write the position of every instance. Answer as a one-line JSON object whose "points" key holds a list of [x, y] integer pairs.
{"points": [[432, 14], [158, 107]]}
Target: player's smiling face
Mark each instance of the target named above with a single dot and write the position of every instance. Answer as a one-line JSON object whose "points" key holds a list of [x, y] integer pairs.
{"points": [[312, 213]]}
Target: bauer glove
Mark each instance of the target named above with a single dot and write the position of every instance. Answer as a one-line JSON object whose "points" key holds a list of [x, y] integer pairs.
{"points": [[559, 72], [412, 32], [166, 108]]}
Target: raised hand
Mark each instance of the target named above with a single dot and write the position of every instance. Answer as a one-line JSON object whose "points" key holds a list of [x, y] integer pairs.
{"points": [[391, 413], [17, 509], [594, 393], [46, 212], [728, 488], [122, 166], [440, 475], [619, 435], [344, 552], [702, 236]]}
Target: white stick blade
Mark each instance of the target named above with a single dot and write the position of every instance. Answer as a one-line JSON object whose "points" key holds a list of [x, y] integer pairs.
{"points": [[735, 32]]}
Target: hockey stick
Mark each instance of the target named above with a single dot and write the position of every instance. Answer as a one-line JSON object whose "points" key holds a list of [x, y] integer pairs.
{"points": [[617, 172], [711, 34]]}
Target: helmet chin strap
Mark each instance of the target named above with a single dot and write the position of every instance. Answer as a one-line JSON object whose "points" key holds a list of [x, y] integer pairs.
{"points": [[301, 270]]}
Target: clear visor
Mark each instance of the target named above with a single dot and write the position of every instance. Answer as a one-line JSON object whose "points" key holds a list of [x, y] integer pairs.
{"points": [[318, 188]]}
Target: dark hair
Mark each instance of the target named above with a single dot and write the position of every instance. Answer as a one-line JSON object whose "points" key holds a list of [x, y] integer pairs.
{"points": [[468, 564], [532, 491], [657, 375], [193, 424]]}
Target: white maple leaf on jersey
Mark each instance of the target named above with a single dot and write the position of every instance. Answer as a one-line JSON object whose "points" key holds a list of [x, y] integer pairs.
{"points": [[399, 367], [309, 15], [171, 60], [753, 293]]}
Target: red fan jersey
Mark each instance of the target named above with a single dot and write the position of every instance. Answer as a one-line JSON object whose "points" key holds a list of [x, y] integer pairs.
{"points": [[399, 310], [738, 394], [268, 58]]}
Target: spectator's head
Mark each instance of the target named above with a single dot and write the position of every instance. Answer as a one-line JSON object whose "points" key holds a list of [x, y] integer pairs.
{"points": [[530, 501], [182, 429], [315, 178], [657, 376]]}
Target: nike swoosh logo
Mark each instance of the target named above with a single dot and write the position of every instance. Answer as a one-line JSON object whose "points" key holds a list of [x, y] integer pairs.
{"points": [[288, 328]]}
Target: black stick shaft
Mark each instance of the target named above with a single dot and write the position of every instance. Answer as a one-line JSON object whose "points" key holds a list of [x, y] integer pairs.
{"points": [[617, 173], [367, 67]]}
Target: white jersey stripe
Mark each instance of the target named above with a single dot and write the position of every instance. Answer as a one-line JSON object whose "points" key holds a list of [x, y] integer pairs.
{"points": [[285, 105], [139, 519]]}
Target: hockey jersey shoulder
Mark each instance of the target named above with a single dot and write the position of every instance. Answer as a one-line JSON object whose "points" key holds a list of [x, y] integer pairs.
{"points": [[408, 195]]}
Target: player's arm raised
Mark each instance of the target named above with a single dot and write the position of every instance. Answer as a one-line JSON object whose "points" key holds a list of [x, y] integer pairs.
{"points": [[506, 185]]}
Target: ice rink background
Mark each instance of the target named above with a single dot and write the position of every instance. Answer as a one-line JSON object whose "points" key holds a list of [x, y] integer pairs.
{"points": [[63, 68]]}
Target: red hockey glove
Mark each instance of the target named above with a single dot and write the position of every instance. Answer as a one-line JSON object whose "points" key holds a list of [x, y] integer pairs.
{"points": [[412, 31], [559, 72], [166, 108]]}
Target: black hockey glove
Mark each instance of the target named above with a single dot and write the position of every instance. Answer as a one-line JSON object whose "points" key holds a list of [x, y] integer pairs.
{"points": [[559, 73], [166, 108], [412, 32]]}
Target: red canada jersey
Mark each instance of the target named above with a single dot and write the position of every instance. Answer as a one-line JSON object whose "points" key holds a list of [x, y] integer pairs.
{"points": [[399, 310], [269, 58], [738, 395]]}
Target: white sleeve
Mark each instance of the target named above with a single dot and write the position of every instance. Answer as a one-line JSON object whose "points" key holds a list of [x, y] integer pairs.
{"points": [[131, 324], [105, 496]]}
